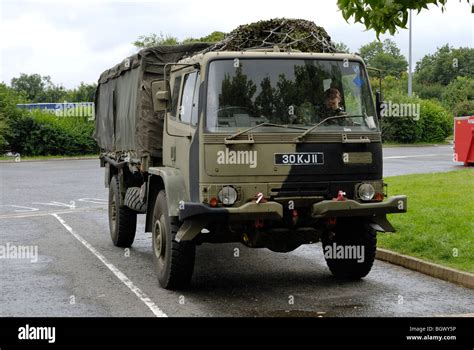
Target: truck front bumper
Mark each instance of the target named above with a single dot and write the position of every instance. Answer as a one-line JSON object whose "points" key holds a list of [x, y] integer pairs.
{"points": [[198, 215], [248, 211], [274, 210], [349, 207]]}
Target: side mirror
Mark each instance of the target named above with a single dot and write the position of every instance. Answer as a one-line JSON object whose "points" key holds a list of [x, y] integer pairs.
{"points": [[379, 104], [160, 94]]}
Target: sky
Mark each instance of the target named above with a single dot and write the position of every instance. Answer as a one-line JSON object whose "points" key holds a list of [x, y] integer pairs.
{"points": [[74, 41]]}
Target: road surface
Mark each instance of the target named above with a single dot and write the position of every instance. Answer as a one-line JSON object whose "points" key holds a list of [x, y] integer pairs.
{"points": [[60, 208]]}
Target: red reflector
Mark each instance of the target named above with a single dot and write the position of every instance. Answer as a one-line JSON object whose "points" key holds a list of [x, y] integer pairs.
{"points": [[213, 202]]}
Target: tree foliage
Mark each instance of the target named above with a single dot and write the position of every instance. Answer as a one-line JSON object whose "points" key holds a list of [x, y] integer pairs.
{"points": [[153, 39], [341, 47], [38, 88], [385, 56], [445, 65], [214, 37], [83, 93], [459, 90], [384, 15]]}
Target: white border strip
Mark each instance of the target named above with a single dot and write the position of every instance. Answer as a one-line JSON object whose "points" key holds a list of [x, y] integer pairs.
{"points": [[119, 274], [419, 155]]}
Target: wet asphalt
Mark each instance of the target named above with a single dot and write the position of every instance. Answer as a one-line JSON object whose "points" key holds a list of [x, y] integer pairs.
{"points": [[229, 279]]}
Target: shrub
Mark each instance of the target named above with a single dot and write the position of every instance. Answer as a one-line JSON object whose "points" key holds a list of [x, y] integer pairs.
{"points": [[459, 90], [434, 123], [40, 133], [464, 108]]}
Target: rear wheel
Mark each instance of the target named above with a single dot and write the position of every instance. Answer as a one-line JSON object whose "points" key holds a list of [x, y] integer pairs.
{"points": [[122, 220], [349, 249], [173, 261]]}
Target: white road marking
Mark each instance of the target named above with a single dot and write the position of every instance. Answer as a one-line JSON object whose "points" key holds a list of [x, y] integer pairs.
{"points": [[48, 212], [93, 200], [418, 155], [119, 274], [25, 210], [71, 204]]}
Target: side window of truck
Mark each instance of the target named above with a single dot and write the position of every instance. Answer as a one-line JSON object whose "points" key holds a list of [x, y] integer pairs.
{"points": [[187, 97], [175, 96]]}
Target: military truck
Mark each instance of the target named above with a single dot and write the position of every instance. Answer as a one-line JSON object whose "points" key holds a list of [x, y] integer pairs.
{"points": [[233, 146]]}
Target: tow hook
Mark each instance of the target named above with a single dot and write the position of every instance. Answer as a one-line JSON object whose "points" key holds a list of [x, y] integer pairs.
{"points": [[340, 196]]}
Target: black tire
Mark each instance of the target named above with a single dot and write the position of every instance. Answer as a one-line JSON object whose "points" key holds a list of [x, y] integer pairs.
{"points": [[132, 200], [122, 220], [351, 233], [173, 261]]}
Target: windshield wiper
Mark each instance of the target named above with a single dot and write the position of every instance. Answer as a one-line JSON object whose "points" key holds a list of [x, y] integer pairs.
{"points": [[301, 137], [228, 138]]}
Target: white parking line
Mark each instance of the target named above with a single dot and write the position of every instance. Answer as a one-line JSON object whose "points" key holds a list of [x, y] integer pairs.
{"points": [[419, 155], [49, 212], [119, 274]]}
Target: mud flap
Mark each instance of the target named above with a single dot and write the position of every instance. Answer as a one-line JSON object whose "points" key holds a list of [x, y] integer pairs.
{"points": [[189, 230], [381, 224]]}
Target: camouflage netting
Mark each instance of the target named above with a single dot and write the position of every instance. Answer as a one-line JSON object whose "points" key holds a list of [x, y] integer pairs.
{"points": [[287, 34]]}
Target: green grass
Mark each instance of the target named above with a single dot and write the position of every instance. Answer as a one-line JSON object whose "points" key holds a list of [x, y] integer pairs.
{"points": [[49, 157], [440, 218], [416, 144]]}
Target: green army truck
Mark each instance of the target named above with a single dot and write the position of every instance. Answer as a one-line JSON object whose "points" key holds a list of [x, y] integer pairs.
{"points": [[239, 146]]}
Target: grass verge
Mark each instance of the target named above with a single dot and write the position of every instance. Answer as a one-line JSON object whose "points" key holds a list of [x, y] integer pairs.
{"points": [[439, 225], [12, 158]]}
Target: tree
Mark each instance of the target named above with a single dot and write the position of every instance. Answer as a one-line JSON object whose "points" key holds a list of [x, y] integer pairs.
{"points": [[211, 38], [385, 56], [153, 39], [38, 88], [83, 93], [384, 15], [341, 47], [445, 65], [32, 85], [459, 90], [150, 40]]}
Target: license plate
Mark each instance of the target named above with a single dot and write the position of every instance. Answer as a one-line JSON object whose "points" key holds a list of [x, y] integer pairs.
{"points": [[303, 158]]}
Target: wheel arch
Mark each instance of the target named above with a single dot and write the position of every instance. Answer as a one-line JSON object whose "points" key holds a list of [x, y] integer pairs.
{"points": [[170, 179]]}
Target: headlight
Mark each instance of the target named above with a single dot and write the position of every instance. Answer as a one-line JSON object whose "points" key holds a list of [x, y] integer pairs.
{"points": [[227, 195], [366, 192]]}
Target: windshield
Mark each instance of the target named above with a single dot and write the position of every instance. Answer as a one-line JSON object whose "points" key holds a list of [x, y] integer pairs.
{"points": [[302, 93]]}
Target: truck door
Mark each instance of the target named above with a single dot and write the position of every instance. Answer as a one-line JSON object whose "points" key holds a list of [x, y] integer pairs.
{"points": [[182, 123]]}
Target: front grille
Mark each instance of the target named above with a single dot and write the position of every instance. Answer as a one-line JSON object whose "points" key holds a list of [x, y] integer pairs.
{"points": [[299, 189]]}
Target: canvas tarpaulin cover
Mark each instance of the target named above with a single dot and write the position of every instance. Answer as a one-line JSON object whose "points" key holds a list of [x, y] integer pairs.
{"points": [[125, 119]]}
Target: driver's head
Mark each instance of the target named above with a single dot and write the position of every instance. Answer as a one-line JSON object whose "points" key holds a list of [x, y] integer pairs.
{"points": [[332, 98]]}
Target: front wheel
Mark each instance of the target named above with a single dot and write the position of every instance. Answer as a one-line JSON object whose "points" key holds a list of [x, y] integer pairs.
{"points": [[349, 249], [173, 261]]}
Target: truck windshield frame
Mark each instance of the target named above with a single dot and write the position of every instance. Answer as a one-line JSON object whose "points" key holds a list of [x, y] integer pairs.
{"points": [[244, 92]]}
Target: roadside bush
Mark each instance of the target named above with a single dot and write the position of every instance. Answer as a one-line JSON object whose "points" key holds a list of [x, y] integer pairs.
{"points": [[464, 108], [435, 121], [8, 101], [434, 124], [400, 129], [459, 90], [40, 133]]}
